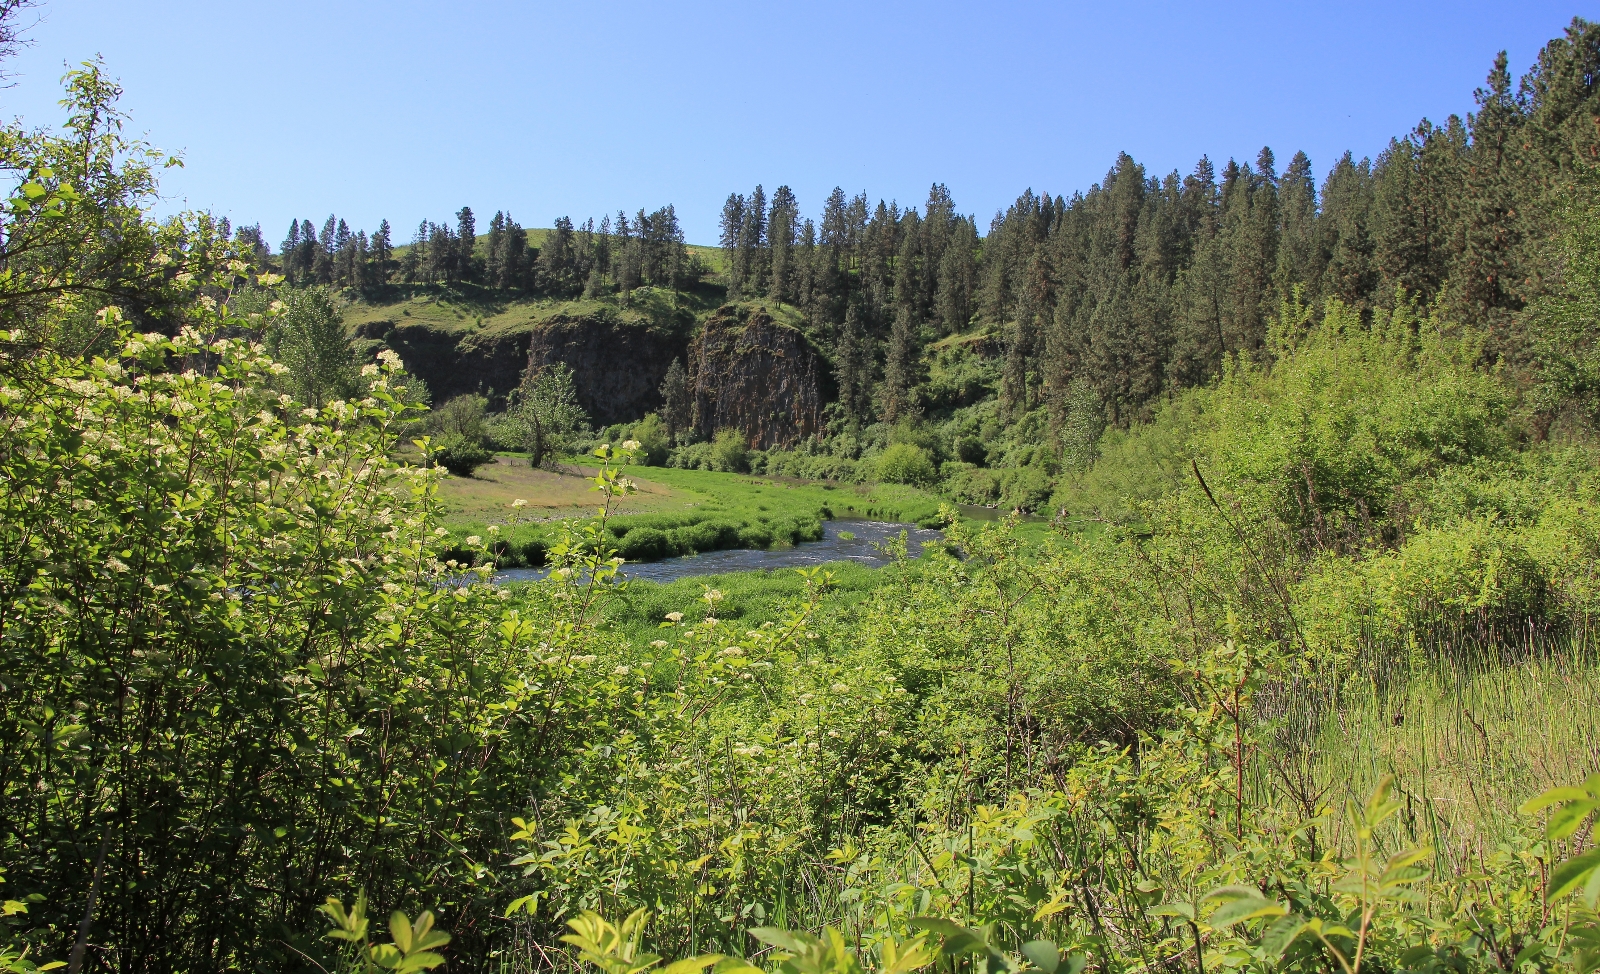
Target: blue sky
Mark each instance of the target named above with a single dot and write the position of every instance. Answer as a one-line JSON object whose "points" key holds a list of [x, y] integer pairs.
{"points": [[407, 110]]}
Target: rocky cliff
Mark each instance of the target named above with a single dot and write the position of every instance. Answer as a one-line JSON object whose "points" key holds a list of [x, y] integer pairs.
{"points": [[617, 363], [455, 363], [754, 374], [747, 371]]}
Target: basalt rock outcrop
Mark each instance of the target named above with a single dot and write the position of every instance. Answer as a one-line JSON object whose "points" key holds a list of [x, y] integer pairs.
{"points": [[747, 371], [617, 363], [751, 373], [454, 364]]}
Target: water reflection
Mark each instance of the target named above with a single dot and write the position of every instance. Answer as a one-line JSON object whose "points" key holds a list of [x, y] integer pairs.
{"points": [[834, 546]]}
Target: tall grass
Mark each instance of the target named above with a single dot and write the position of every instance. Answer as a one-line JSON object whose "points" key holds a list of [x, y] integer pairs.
{"points": [[1469, 729]]}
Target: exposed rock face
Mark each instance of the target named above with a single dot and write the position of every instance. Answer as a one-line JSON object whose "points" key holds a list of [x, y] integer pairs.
{"points": [[753, 374], [455, 364], [617, 364]]}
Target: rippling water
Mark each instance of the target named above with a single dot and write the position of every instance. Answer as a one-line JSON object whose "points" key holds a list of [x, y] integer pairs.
{"points": [[832, 547]]}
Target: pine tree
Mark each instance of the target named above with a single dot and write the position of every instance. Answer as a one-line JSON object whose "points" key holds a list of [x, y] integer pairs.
{"points": [[290, 251], [852, 369], [676, 408], [782, 229], [558, 260], [322, 263], [1344, 236], [732, 240], [1491, 231], [1297, 202], [382, 254], [495, 247], [753, 244], [900, 366], [956, 280], [466, 262]]}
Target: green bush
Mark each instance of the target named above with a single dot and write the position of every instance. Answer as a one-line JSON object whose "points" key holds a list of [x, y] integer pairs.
{"points": [[651, 435], [903, 463], [1024, 488], [970, 449], [460, 455], [730, 452], [646, 544]]}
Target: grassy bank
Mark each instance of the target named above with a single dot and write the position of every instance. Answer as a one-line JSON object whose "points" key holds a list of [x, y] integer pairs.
{"points": [[673, 512]]}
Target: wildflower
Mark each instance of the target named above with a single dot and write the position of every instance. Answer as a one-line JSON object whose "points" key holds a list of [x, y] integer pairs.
{"points": [[519, 502], [371, 368], [659, 644], [622, 671], [494, 529], [674, 616], [473, 541], [840, 688], [440, 532], [389, 357], [116, 564], [630, 444]]}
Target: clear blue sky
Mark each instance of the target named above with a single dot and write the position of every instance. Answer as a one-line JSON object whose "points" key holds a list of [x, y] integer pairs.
{"points": [[406, 110]]}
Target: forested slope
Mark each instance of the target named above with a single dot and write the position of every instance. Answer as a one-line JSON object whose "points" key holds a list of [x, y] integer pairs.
{"points": [[1063, 315]]}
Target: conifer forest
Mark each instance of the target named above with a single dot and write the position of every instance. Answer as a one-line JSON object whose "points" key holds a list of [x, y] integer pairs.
{"points": [[1244, 615]]}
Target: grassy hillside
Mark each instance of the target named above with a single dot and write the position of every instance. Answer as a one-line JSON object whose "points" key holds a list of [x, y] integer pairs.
{"points": [[468, 308]]}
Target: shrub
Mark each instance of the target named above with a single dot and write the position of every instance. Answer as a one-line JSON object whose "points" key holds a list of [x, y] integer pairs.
{"points": [[970, 449], [646, 544], [972, 485], [730, 452], [903, 463], [1024, 488], [651, 433], [461, 455]]}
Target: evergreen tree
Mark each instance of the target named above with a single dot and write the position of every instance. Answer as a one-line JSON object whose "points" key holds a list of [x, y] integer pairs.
{"points": [[900, 366], [852, 369], [753, 244], [1297, 201], [495, 247], [732, 240], [783, 226], [558, 263], [382, 254], [1344, 233], [677, 408], [466, 262], [1490, 229]]}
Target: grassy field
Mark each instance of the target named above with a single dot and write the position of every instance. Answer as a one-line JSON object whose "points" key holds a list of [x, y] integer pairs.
{"points": [[486, 497], [674, 511]]}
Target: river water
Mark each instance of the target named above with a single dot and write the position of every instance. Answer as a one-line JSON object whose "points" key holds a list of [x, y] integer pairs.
{"points": [[833, 547]]}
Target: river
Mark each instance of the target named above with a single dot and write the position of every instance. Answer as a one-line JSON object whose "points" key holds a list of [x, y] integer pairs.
{"points": [[834, 546]]}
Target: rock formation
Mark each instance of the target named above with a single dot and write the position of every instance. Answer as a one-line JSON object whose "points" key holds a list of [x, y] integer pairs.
{"points": [[617, 363], [754, 374]]}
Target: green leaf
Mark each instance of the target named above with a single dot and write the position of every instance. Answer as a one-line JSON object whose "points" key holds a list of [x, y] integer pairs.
{"points": [[693, 965], [422, 960], [1571, 874], [400, 930], [1551, 797], [1244, 908], [1044, 954], [1565, 820], [1280, 935]]}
